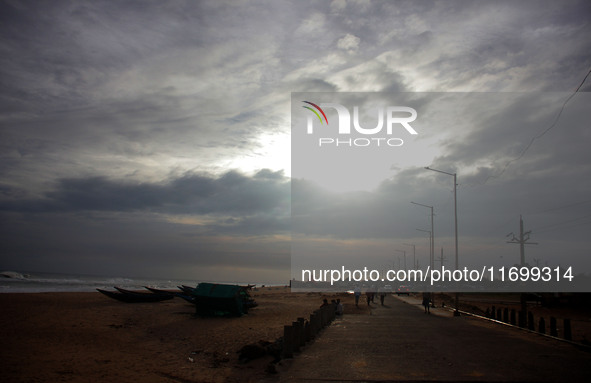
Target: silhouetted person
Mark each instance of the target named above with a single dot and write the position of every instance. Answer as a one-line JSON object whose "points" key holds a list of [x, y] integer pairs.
{"points": [[369, 296], [339, 307], [324, 303], [427, 302], [357, 294]]}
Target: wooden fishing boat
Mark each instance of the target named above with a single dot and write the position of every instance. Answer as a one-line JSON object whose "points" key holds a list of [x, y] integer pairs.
{"points": [[186, 297], [186, 289], [135, 297], [158, 291]]}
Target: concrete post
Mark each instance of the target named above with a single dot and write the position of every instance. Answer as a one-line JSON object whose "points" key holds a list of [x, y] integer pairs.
{"points": [[302, 328], [317, 322], [530, 321], [287, 342], [567, 330], [312, 326], [324, 315], [296, 336], [521, 318], [553, 330]]}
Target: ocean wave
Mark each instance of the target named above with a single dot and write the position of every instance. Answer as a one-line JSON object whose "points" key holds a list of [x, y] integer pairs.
{"points": [[13, 275]]}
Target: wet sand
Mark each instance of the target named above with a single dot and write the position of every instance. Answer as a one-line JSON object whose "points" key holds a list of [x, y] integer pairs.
{"points": [[87, 337]]}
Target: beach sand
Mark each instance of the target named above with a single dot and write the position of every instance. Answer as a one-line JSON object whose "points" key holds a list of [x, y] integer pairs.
{"points": [[87, 337]]}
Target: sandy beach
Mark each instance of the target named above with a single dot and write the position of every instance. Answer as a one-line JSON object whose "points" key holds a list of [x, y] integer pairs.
{"points": [[87, 337]]}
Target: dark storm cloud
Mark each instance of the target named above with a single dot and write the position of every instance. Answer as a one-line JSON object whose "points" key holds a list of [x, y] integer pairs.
{"points": [[232, 220], [229, 194]]}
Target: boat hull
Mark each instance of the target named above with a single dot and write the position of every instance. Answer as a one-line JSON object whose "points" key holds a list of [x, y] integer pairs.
{"points": [[133, 297]]}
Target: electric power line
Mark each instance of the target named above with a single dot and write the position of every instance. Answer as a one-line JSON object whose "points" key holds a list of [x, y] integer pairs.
{"points": [[554, 225], [559, 207], [539, 135]]}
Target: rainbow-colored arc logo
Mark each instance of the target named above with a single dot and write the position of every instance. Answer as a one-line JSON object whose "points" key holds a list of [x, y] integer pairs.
{"points": [[315, 112]]}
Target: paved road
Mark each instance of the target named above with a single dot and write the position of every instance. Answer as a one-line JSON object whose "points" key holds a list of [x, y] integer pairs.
{"points": [[400, 343]]}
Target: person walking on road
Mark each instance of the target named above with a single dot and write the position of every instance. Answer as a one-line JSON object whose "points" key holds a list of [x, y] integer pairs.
{"points": [[339, 308], [369, 297], [382, 295], [357, 294], [427, 302]]}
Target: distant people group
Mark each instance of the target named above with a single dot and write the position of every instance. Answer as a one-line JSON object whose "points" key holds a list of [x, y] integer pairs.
{"points": [[336, 303], [370, 298]]}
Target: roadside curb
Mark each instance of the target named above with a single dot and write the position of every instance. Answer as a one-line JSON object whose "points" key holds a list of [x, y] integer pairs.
{"points": [[581, 346]]}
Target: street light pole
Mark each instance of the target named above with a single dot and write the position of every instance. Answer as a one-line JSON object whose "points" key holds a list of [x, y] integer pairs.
{"points": [[430, 238], [456, 313], [455, 206], [456, 215], [432, 245]]}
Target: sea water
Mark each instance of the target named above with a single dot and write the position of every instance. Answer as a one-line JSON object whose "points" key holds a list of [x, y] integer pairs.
{"points": [[34, 282]]}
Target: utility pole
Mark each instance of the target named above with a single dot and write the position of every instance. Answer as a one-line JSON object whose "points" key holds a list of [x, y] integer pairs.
{"points": [[522, 241]]}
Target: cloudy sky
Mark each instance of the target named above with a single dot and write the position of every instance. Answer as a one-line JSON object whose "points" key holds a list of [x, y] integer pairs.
{"points": [[153, 138]]}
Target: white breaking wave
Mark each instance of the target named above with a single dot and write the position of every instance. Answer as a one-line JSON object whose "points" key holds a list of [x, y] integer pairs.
{"points": [[13, 275]]}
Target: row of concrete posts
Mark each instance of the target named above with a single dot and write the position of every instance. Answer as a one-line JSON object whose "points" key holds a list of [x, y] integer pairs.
{"points": [[520, 319], [301, 331]]}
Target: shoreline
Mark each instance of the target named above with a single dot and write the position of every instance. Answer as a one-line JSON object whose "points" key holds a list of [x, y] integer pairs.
{"points": [[44, 282]]}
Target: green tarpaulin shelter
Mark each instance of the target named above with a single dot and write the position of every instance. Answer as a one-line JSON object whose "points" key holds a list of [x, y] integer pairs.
{"points": [[220, 299]]}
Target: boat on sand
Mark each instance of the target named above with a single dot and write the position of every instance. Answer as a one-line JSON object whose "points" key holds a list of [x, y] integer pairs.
{"points": [[128, 296]]}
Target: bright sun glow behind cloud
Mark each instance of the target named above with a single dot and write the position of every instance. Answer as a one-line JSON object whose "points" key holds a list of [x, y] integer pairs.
{"points": [[273, 152]]}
